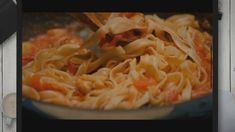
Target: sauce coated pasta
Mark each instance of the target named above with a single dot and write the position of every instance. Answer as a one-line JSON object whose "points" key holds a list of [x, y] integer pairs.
{"points": [[144, 60]]}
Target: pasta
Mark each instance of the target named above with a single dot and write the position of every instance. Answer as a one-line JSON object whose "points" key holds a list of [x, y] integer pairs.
{"points": [[143, 60]]}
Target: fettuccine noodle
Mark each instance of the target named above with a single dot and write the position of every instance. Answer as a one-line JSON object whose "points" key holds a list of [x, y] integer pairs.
{"points": [[144, 60]]}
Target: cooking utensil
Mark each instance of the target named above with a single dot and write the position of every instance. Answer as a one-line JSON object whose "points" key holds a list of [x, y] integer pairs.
{"points": [[92, 20]]}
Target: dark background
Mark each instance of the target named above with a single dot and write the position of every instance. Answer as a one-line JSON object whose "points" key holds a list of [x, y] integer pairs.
{"points": [[119, 5], [40, 123], [34, 122]]}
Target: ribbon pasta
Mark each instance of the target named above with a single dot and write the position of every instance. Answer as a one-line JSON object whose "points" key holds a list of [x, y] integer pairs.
{"points": [[149, 61]]}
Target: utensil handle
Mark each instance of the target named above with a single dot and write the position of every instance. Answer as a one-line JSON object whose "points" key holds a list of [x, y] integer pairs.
{"points": [[85, 19]]}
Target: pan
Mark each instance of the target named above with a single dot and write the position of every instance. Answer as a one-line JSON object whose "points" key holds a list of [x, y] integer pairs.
{"points": [[38, 23]]}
